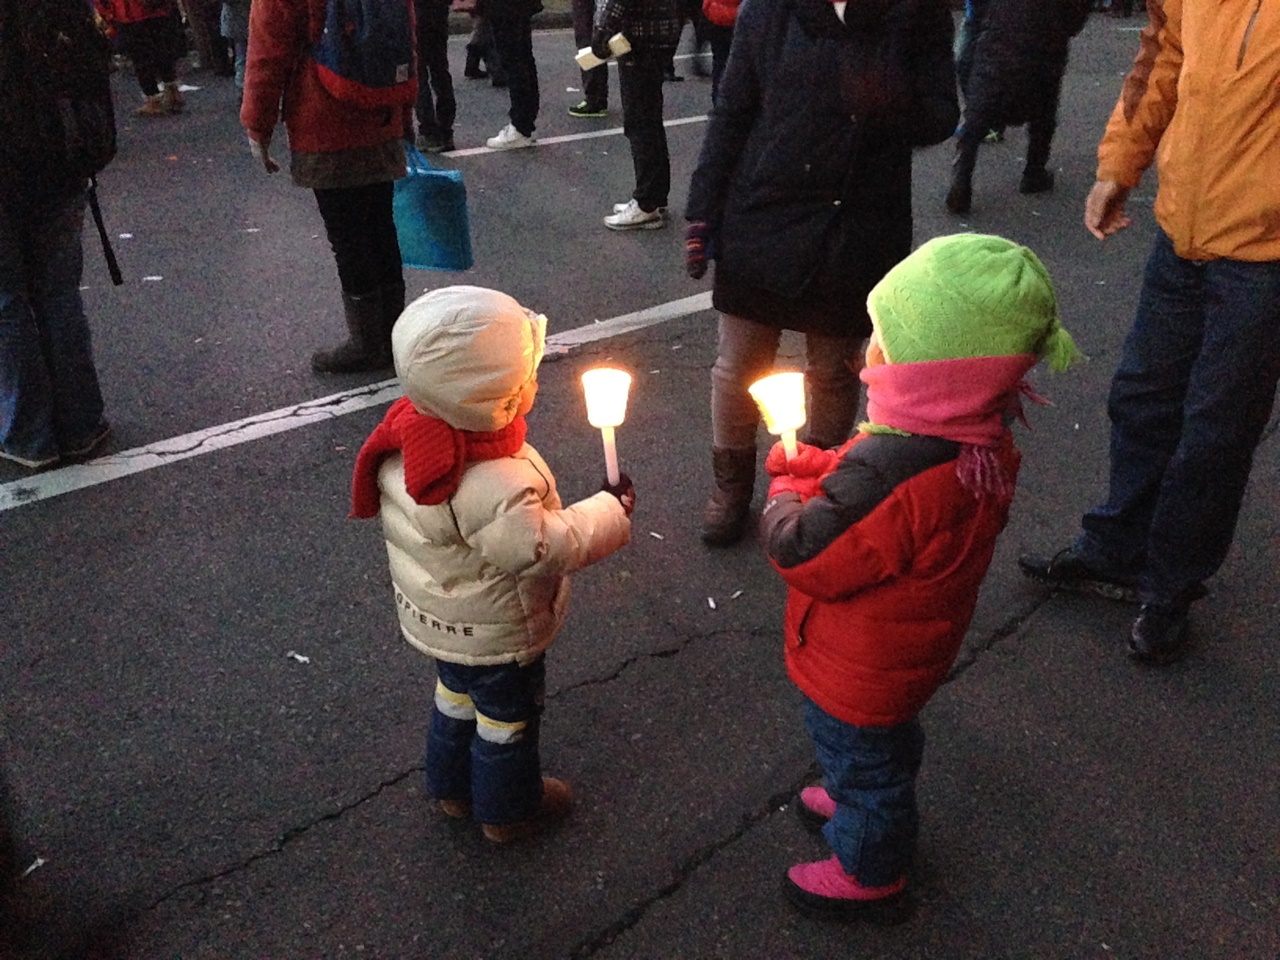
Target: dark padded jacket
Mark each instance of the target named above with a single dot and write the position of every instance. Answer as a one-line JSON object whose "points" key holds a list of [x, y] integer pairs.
{"points": [[1019, 56], [883, 572], [805, 171]]}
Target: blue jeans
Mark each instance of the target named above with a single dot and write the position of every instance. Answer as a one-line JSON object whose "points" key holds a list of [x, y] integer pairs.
{"points": [[482, 744], [49, 395], [1188, 405], [870, 772]]}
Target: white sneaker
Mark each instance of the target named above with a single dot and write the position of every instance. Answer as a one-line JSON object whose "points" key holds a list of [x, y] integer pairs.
{"points": [[509, 138], [631, 217], [662, 211]]}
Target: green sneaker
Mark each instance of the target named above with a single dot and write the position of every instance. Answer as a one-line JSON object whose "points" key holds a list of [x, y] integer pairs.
{"points": [[586, 111]]}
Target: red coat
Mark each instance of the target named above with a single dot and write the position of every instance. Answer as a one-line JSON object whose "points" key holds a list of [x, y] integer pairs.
{"points": [[116, 12], [281, 81], [883, 572]]}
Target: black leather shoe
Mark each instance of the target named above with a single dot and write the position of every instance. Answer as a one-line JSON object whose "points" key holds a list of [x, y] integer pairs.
{"points": [[1066, 571], [1158, 635]]}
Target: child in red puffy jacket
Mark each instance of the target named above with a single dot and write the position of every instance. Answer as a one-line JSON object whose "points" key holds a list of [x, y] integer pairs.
{"points": [[885, 541]]}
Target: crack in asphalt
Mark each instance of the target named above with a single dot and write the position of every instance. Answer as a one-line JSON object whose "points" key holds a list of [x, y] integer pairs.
{"points": [[685, 870], [278, 845]]}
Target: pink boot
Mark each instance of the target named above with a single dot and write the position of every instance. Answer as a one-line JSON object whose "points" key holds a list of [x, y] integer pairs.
{"points": [[815, 807], [823, 890]]}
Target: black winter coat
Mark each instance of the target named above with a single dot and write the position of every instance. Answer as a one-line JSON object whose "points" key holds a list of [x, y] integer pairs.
{"points": [[1019, 56], [805, 172]]}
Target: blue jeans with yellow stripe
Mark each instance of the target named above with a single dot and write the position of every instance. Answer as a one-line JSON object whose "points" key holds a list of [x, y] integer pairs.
{"points": [[482, 744]]}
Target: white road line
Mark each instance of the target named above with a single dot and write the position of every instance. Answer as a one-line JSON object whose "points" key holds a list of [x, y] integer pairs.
{"points": [[55, 483], [570, 137]]}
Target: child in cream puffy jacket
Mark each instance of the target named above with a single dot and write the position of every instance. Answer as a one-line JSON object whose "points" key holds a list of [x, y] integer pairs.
{"points": [[480, 546]]}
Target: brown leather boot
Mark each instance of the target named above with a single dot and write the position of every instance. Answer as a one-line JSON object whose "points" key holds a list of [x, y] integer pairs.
{"points": [[724, 520], [557, 800], [368, 346]]}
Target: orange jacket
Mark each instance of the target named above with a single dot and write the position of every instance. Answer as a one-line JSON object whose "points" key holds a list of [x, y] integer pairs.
{"points": [[1203, 100]]}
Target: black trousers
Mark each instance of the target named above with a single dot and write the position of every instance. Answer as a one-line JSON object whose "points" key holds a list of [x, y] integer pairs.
{"points": [[150, 44], [436, 106], [595, 82], [362, 232], [513, 36], [640, 79], [1040, 129]]}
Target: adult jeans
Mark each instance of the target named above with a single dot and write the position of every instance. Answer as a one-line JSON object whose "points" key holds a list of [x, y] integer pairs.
{"points": [[1189, 402], [361, 229], [640, 85], [870, 772], [482, 742], [513, 36], [436, 106], [747, 351], [49, 394]]}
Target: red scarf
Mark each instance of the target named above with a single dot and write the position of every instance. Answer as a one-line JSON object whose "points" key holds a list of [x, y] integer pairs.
{"points": [[435, 455]]}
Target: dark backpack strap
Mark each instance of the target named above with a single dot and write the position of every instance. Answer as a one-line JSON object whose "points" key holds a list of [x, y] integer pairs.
{"points": [[113, 267]]}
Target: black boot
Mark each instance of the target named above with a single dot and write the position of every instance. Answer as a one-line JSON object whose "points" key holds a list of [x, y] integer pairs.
{"points": [[473, 70], [368, 346], [724, 520], [392, 307]]}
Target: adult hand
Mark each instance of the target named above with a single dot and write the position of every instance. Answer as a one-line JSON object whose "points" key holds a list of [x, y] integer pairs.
{"points": [[624, 490], [260, 147], [600, 45], [809, 461], [696, 240], [1104, 209]]}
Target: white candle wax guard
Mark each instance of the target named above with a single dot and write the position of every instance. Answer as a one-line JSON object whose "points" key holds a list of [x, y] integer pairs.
{"points": [[606, 392], [780, 397]]}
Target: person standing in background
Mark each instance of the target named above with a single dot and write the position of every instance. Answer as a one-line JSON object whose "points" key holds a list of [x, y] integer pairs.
{"points": [[145, 30], [436, 106], [802, 196], [718, 19], [595, 82], [1018, 51], [235, 30], [1196, 383], [512, 25], [652, 27], [350, 156]]}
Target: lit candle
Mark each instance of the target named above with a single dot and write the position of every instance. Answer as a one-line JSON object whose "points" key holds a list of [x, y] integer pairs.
{"points": [[780, 398], [606, 392]]}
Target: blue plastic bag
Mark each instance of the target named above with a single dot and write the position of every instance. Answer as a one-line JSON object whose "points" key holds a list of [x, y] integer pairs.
{"points": [[431, 216]]}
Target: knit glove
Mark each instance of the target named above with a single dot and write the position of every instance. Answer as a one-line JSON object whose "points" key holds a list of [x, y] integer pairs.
{"points": [[697, 245], [624, 490], [805, 487], [809, 461]]}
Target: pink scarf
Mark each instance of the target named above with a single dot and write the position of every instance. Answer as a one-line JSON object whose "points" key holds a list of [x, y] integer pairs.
{"points": [[967, 401]]}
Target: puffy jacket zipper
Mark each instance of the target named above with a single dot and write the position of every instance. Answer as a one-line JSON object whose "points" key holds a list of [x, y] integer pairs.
{"points": [[1248, 31]]}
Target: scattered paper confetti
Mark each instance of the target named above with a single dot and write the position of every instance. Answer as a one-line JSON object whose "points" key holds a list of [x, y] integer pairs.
{"points": [[186, 87], [735, 595], [339, 449], [252, 229], [656, 536], [126, 236], [711, 602], [35, 865], [677, 346], [655, 371], [297, 656], [152, 279]]}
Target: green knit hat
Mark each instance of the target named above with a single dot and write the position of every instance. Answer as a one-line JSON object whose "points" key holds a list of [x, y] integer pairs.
{"points": [[969, 295]]}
